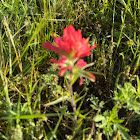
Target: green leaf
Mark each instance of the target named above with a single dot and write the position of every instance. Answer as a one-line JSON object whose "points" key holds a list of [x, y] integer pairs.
{"points": [[82, 116], [74, 79], [80, 98], [85, 74], [138, 86], [61, 99], [98, 118], [123, 132], [30, 116], [118, 121], [101, 125], [56, 128]]}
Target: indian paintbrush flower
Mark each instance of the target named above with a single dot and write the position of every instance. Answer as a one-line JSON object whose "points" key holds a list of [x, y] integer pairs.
{"points": [[72, 44], [71, 48]]}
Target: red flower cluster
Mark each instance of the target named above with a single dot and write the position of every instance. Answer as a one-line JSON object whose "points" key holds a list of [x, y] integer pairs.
{"points": [[71, 48]]}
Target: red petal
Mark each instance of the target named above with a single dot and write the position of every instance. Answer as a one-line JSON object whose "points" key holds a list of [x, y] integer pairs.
{"points": [[63, 45], [60, 62], [91, 77], [72, 44], [93, 46], [81, 63], [81, 81], [49, 46], [57, 39], [72, 36], [62, 71], [81, 54]]}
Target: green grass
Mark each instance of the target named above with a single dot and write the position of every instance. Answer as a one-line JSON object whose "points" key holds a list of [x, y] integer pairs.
{"points": [[28, 80]]}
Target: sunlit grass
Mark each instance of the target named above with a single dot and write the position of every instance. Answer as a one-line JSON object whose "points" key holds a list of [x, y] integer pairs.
{"points": [[28, 80]]}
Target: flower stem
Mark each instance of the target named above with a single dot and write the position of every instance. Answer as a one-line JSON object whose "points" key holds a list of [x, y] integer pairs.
{"points": [[72, 99]]}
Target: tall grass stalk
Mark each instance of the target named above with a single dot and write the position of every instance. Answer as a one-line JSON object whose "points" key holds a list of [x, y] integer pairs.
{"points": [[5, 85], [28, 101], [123, 15]]}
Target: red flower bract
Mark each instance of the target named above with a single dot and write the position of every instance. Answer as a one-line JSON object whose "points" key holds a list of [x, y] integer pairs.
{"points": [[81, 63], [63, 64], [72, 44]]}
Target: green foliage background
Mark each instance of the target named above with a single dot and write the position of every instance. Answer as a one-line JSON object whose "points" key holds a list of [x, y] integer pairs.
{"points": [[35, 101]]}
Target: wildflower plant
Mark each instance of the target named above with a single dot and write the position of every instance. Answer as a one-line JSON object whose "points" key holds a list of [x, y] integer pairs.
{"points": [[71, 48]]}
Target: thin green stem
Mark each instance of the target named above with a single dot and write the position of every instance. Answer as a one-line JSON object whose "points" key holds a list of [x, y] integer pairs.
{"points": [[135, 21], [122, 26], [5, 85]]}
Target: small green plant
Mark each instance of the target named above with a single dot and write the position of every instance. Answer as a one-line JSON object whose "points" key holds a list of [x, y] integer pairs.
{"points": [[128, 96], [35, 102]]}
